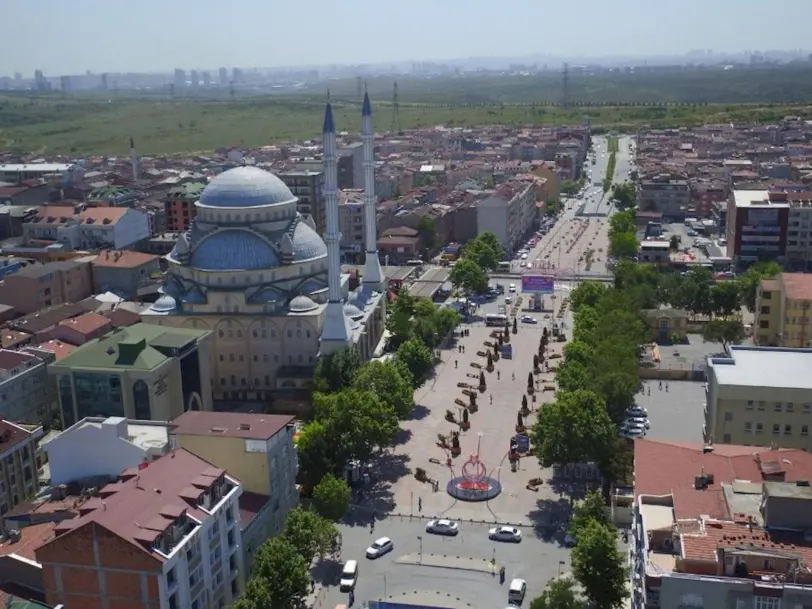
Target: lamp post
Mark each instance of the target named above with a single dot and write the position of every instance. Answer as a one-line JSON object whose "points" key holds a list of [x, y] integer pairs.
{"points": [[420, 539]]}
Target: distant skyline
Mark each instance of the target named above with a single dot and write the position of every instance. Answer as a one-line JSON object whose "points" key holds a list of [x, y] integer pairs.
{"points": [[159, 35]]}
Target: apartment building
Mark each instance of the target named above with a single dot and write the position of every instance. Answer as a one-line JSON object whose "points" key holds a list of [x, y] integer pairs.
{"points": [[18, 465], [351, 225], [666, 194], [759, 396], [39, 286], [799, 227], [164, 534], [720, 526], [307, 185], [258, 450], [179, 205], [27, 393], [144, 371], [124, 272], [15, 173], [509, 213], [756, 226], [93, 228], [782, 315]]}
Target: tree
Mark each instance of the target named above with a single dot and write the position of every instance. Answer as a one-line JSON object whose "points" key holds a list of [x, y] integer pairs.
{"points": [[427, 231], [559, 594], [569, 187], [623, 222], [623, 245], [417, 357], [280, 578], [469, 276], [598, 566], [725, 298], [331, 497], [317, 455], [572, 375], [625, 195], [587, 293], [399, 320], [578, 352], [725, 331], [552, 206], [309, 534], [749, 281], [357, 422], [673, 243], [591, 508], [391, 381], [572, 429], [337, 370], [485, 250]]}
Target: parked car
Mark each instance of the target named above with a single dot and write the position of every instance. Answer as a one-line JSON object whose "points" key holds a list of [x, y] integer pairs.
{"points": [[512, 287], [505, 534], [638, 421], [637, 411], [380, 547], [527, 319], [442, 527]]}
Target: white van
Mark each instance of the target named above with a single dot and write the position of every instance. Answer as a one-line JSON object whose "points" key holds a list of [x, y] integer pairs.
{"points": [[349, 575], [517, 590]]}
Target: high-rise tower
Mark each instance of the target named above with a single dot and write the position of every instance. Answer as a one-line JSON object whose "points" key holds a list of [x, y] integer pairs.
{"points": [[373, 273], [335, 334], [133, 159]]}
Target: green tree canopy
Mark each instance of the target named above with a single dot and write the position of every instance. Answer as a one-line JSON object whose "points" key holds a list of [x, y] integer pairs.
{"points": [[623, 222], [579, 352], [357, 422], [559, 594], [625, 195], [598, 566], [586, 293], [427, 231], [724, 331], [309, 534], [317, 455], [749, 281], [574, 428], [469, 276], [280, 578], [391, 381], [591, 508], [623, 245], [399, 320], [331, 497], [485, 250], [417, 357], [569, 187], [337, 370], [572, 375], [725, 298]]}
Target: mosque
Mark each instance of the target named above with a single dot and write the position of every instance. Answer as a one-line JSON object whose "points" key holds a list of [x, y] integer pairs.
{"points": [[257, 274]]}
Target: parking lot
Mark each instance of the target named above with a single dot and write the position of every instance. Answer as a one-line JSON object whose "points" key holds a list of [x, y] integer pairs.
{"points": [[675, 410]]}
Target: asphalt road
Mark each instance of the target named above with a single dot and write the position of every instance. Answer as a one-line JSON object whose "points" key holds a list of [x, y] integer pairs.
{"points": [[461, 582]]}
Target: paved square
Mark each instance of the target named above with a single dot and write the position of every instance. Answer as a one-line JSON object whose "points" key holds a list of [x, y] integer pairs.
{"points": [[676, 414]]}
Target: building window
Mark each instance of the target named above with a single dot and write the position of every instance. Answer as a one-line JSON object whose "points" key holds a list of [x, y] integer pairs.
{"points": [[790, 407], [766, 602], [173, 601], [728, 416], [807, 408], [761, 405], [748, 427], [267, 381], [776, 429], [759, 427], [750, 404], [779, 407], [787, 430], [804, 430]]}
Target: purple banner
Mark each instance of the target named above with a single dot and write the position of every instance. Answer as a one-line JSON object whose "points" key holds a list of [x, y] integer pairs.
{"points": [[537, 284]]}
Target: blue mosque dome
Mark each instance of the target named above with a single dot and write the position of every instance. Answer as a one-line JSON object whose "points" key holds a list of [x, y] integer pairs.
{"points": [[307, 243], [246, 187], [230, 250]]}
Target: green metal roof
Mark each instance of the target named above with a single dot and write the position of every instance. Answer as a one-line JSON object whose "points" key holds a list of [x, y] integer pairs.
{"points": [[135, 347], [190, 190]]}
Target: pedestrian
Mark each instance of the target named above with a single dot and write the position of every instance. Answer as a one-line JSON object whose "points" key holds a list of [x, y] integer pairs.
{"points": [[661, 385], [419, 504], [666, 386], [491, 396], [514, 375], [455, 364], [498, 374]]}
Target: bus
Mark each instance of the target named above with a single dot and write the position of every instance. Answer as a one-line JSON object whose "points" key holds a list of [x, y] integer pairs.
{"points": [[503, 266], [496, 319]]}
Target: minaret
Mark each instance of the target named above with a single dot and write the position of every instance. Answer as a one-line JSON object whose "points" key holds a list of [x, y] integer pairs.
{"points": [[335, 334], [133, 159], [373, 273]]}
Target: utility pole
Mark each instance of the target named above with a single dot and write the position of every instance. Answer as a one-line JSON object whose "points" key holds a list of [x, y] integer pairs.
{"points": [[396, 110], [565, 99]]}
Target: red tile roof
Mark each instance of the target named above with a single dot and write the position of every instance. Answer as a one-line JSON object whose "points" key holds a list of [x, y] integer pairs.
{"points": [[123, 259], [11, 435], [669, 468], [144, 502], [250, 506], [31, 538], [57, 347], [250, 426]]}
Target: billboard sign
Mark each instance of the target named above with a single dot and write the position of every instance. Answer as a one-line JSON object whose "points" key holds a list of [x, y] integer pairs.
{"points": [[537, 284]]}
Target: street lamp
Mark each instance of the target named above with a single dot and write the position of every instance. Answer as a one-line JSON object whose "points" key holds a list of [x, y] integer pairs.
{"points": [[420, 539]]}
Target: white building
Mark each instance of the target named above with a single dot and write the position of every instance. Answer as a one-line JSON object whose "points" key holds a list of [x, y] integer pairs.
{"points": [[510, 213], [104, 447], [92, 228]]}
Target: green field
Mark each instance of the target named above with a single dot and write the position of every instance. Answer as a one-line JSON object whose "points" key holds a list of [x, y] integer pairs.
{"points": [[83, 125]]}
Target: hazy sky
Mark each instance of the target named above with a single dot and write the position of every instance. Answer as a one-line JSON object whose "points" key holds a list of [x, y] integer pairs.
{"points": [[62, 37]]}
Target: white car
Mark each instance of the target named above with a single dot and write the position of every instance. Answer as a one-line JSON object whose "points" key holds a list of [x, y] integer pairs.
{"points": [[505, 534], [631, 428], [638, 421], [524, 256], [380, 547], [526, 319], [442, 527], [508, 300], [637, 411], [512, 287]]}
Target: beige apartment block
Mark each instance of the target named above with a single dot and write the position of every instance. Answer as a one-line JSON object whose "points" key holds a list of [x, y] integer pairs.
{"points": [[782, 316], [760, 396]]}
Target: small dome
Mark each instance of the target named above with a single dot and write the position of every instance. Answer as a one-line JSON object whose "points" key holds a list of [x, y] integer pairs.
{"points": [[164, 304], [232, 250], [307, 244], [302, 304], [246, 187], [350, 310]]}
